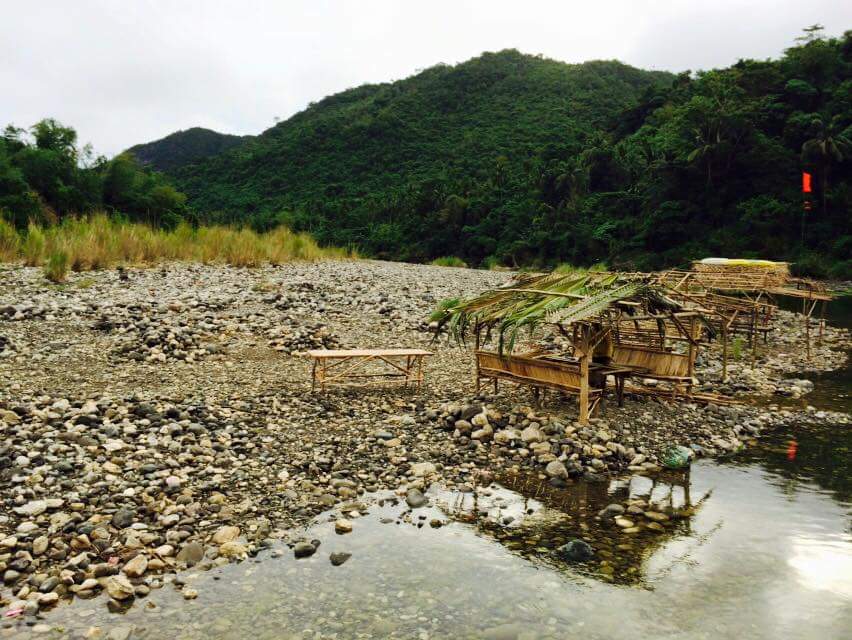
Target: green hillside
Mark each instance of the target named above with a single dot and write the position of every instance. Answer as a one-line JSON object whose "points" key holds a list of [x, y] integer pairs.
{"points": [[412, 143], [521, 160], [184, 147]]}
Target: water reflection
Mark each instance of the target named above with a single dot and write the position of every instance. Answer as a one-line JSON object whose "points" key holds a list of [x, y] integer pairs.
{"points": [[530, 517]]}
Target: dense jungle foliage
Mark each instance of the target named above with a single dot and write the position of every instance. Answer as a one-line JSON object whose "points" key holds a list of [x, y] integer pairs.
{"points": [[184, 147], [45, 176], [524, 161]]}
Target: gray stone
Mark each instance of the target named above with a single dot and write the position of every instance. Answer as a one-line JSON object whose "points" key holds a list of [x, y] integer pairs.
{"points": [[190, 554], [575, 551], [415, 499], [123, 518], [304, 549]]}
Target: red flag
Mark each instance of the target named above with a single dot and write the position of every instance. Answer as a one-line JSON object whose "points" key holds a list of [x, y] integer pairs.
{"points": [[806, 182]]}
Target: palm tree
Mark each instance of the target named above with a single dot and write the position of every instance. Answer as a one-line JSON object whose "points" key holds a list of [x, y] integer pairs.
{"points": [[828, 146]]}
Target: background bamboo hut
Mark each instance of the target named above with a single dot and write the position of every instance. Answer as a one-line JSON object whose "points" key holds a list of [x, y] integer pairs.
{"points": [[742, 295], [615, 326]]}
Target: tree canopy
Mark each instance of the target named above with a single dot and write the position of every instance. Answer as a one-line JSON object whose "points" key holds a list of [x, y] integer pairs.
{"points": [[45, 176]]}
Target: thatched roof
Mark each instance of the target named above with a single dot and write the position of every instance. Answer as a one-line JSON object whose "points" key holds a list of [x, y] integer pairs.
{"points": [[557, 298]]}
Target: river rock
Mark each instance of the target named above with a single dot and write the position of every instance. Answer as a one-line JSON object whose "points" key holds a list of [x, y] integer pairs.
{"points": [[343, 526], [226, 534], [304, 549], [339, 557], [575, 551], [118, 587], [190, 554], [415, 499], [136, 567]]}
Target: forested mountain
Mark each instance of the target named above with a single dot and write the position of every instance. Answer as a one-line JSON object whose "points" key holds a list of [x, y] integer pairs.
{"points": [[363, 163], [523, 160], [184, 147]]}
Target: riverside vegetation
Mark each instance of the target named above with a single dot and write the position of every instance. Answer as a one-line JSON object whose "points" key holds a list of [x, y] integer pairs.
{"points": [[99, 242]]}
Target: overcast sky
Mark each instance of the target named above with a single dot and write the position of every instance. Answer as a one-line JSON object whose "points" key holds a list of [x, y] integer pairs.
{"points": [[129, 71]]}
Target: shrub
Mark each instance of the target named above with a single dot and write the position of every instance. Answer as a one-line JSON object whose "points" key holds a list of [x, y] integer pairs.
{"points": [[737, 347], [448, 261], [492, 263], [56, 266], [570, 268]]}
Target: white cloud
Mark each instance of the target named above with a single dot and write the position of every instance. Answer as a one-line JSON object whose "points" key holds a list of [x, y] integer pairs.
{"points": [[128, 72]]}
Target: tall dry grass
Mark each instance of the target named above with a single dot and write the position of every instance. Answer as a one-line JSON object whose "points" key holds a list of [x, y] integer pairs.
{"points": [[98, 242]]}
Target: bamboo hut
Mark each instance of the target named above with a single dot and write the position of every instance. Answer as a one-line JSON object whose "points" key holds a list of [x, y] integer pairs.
{"points": [[742, 295], [616, 326]]}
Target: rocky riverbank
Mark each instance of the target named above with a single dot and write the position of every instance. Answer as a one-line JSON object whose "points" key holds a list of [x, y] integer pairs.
{"points": [[159, 419]]}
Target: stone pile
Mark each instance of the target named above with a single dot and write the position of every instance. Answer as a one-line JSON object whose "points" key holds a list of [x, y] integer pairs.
{"points": [[296, 339], [22, 311], [7, 347], [153, 334]]}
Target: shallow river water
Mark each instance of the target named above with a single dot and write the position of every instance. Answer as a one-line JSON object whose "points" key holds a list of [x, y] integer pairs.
{"points": [[764, 551]]}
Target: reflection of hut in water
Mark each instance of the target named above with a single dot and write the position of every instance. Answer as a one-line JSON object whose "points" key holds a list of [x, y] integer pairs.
{"points": [[649, 513]]}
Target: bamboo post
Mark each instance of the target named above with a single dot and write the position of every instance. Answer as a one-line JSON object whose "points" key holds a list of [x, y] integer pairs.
{"points": [[476, 362], [753, 333], [584, 381], [724, 351], [821, 322], [693, 352]]}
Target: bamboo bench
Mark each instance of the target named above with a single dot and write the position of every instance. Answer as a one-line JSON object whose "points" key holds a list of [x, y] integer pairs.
{"points": [[648, 362], [538, 373], [339, 367]]}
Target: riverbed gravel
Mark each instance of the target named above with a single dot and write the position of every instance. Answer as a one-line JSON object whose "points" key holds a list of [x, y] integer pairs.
{"points": [[159, 419]]}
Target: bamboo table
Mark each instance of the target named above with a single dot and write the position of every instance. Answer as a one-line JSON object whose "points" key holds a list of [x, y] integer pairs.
{"points": [[339, 367]]}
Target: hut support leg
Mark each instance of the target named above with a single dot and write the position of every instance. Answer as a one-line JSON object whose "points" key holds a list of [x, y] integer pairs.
{"points": [[584, 389], [821, 322], [476, 366], [753, 336], [693, 350], [724, 352]]}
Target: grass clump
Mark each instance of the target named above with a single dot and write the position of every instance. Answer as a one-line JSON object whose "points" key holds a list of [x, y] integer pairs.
{"points": [[56, 266], [449, 261], [570, 268], [33, 246], [737, 348], [9, 241], [98, 242]]}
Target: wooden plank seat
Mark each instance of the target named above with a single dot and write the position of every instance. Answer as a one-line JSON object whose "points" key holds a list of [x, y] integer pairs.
{"points": [[538, 373], [339, 367]]}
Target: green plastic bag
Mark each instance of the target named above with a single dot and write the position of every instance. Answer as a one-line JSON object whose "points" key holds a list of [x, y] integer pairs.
{"points": [[677, 457]]}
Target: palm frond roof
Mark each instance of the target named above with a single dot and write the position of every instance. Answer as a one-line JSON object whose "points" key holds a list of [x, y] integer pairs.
{"points": [[555, 298]]}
